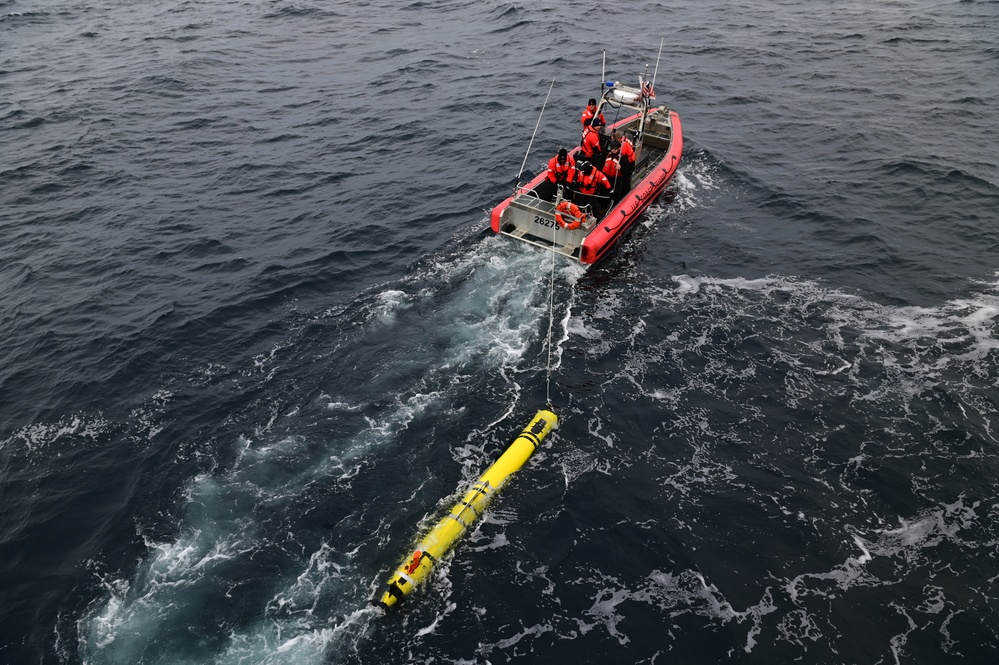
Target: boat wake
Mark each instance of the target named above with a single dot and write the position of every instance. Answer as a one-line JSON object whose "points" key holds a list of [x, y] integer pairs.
{"points": [[273, 560]]}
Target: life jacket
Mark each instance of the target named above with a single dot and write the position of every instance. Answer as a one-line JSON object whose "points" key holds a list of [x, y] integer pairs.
{"points": [[576, 217], [560, 172], [628, 150], [612, 167], [590, 144], [588, 183], [588, 116]]}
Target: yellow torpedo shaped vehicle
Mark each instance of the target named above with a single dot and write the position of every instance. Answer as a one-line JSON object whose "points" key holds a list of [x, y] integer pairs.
{"points": [[416, 567]]}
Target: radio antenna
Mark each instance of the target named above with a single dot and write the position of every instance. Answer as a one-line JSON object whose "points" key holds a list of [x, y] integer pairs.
{"points": [[661, 42], [603, 70]]}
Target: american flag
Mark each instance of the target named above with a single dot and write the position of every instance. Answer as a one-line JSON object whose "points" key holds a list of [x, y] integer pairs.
{"points": [[647, 89]]}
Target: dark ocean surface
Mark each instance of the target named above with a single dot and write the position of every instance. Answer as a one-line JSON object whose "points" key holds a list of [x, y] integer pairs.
{"points": [[255, 335]]}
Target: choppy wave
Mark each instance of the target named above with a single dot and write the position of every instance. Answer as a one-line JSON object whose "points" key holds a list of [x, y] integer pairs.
{"points": [[234, 526], [256, 336]]}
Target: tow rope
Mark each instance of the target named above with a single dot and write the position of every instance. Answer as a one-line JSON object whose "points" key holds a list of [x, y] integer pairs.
{"points": [[551, 323]]}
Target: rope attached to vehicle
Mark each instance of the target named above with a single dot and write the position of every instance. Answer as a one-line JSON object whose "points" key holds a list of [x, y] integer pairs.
{"points": [[551, 322]]}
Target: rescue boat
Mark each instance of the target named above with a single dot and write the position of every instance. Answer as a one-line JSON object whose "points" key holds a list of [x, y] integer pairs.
{"points": [[530, 214]]}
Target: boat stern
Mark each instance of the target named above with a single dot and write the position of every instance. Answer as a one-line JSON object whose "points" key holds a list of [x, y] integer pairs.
{"points": [[531, 219]]}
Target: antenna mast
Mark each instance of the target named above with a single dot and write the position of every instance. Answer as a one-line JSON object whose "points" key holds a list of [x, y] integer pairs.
{"points": [[661, 42], [603, 69]]}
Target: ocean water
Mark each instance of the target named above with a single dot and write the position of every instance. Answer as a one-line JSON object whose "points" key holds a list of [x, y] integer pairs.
{"points": [[256, 335]]}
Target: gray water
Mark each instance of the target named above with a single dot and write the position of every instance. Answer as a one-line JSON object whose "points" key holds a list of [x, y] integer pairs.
{"points": [[256, 335]]}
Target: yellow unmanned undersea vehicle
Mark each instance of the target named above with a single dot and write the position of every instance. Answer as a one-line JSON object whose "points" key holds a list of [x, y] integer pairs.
{"points": [[416, 567]]}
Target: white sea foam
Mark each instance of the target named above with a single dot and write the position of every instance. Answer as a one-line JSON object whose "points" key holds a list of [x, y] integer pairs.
{"points": [[924, 340], [604, 613], [695, 178], [831, 350], [525, 632], [902, 545], [66, 431], [484, 329], [674, 594], [390, 302]]}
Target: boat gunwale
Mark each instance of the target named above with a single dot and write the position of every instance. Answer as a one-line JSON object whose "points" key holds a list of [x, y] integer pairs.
{"points": [[655, 180]]}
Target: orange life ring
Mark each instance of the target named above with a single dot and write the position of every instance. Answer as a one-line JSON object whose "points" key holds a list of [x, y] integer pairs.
{"points": [[571, 210]]}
